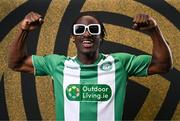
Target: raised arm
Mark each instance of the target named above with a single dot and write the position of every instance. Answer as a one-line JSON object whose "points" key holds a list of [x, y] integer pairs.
{"points": [[161, 53], [18, 60]]}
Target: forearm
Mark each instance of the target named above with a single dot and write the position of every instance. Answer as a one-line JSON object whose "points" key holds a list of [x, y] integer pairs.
{"points": [[161, 55], [17, 53]]}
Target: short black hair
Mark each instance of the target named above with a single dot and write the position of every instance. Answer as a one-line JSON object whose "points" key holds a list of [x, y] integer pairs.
{"points": [[103, 30]]}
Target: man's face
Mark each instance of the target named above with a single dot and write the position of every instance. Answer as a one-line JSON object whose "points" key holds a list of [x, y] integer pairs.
{"points": [[87, 43]]}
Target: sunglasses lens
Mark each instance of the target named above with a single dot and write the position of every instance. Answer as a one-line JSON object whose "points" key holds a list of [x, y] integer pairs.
{"points": [[94, 29], [79, 29]]}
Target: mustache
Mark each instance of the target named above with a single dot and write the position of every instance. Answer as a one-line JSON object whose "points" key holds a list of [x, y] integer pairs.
{"points": [[88, 38]]}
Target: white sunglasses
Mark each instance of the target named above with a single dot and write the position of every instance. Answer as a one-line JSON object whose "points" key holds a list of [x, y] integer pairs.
{"points": [[80, 29]]}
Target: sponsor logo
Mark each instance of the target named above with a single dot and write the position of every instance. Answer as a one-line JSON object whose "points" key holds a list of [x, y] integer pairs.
{"points": [[72, 67], [73, 92], [88, 92]]}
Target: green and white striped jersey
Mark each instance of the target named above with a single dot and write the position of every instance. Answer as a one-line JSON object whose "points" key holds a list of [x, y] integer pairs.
{"points": [[92, 92]]}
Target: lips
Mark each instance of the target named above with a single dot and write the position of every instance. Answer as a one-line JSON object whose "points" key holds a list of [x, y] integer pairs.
{"points": [[87, 43]]}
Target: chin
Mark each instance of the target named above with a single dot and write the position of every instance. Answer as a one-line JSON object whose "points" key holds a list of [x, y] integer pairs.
{"points": [[87, 52]]}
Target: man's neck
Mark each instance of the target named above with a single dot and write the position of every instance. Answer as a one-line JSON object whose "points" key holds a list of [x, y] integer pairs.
{"points": [[89, 58]]}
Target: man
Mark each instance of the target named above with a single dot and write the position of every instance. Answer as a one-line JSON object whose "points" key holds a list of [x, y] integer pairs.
{"points": [[90, 86]]}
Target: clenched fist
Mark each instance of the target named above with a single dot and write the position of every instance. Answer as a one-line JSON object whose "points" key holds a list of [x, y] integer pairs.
{"points": [[143, 22], [31, 21]]}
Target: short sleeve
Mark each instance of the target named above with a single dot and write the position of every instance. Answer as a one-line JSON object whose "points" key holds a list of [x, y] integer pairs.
{"points": [[45, 65], [135, 65]]}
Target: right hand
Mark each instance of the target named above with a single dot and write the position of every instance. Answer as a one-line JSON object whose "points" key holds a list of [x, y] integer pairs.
{"points": [[31, 21]]}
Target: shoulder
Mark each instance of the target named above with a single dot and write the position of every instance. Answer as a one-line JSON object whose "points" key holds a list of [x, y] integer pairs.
{"points": [[50, 58], [54, 56], [122, 56], [125, 58]]}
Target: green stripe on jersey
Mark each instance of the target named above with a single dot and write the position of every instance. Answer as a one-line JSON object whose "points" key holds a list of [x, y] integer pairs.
{"points": [[88, 110], [120, 86], [59, 96]]}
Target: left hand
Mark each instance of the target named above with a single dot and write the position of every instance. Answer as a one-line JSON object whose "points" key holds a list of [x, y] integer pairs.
{"points": [[143, 22]]}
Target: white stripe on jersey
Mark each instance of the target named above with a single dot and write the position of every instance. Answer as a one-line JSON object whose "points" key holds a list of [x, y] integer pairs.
{"points": [[106, 108], [71, 76]]}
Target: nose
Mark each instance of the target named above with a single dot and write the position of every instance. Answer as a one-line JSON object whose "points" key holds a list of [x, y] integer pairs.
{"points": [[86, 34]]}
